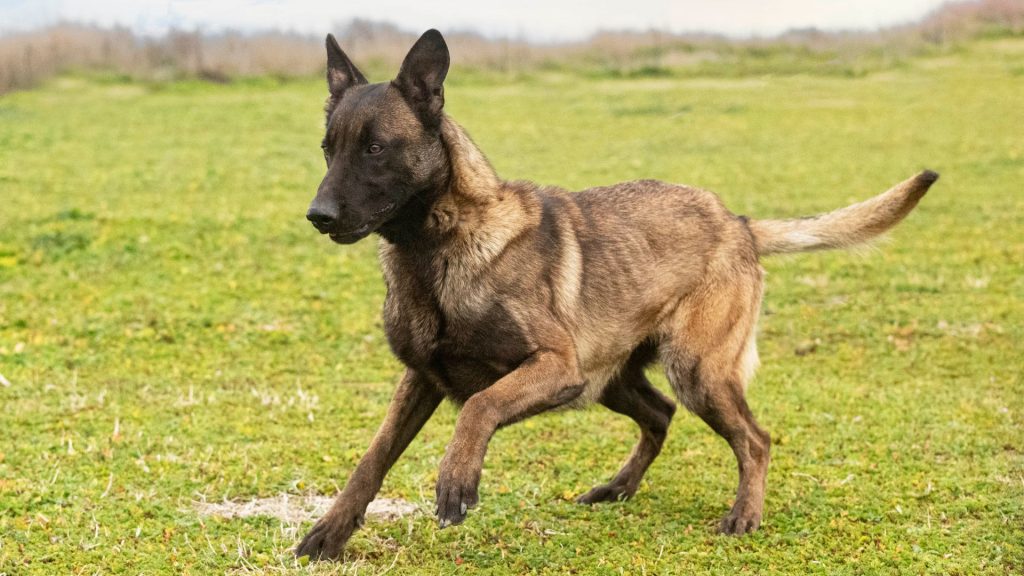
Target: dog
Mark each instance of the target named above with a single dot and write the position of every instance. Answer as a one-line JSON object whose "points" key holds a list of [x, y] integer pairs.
{"points": [[512, 299]]}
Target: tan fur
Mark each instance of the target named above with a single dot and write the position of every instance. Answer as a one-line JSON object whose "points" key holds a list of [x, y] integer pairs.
{"points": [[512, 299], [844, 227]]}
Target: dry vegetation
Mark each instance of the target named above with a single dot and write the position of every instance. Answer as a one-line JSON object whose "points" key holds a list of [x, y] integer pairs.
{"points": [[27, 58]]}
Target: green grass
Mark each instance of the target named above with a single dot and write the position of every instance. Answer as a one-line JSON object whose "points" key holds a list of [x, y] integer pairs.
{"points": [[173, 330]]}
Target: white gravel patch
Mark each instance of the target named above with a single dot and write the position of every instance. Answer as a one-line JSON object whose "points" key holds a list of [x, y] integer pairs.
{"points": [[297, 508]]}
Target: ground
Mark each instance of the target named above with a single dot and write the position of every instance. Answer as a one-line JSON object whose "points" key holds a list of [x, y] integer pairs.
{"points": [[173, 332]]}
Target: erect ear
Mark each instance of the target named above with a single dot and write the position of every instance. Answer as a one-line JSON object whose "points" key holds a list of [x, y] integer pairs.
{"points": [[342, 74], [421, 78]]}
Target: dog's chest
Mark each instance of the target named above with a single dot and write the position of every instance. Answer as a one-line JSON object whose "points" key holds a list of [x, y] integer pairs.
{"points": [[464, 348]]}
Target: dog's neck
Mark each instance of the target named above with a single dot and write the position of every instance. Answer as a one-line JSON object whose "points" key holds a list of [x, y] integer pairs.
{"points": [[470, 199], [473, 180], [465, 222]]}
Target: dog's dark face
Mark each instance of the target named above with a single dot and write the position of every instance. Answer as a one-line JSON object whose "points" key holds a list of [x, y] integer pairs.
{"points": [[383, 142]]}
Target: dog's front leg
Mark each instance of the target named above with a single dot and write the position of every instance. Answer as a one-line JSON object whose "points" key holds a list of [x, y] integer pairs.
{"points": [[544, 381], [413, 403]]}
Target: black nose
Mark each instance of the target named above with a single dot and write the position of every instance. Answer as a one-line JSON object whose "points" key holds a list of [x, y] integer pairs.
{"points": [[320, 220]]}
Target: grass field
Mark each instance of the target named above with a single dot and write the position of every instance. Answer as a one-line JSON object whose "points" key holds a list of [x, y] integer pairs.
{"points": [[173, 331]]}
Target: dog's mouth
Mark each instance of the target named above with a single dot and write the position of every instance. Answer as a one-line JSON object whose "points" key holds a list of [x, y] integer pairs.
{"points": [[356, 234]]}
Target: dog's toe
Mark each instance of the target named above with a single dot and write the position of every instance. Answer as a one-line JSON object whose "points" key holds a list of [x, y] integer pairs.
{"points": [[325, 541], [737, 524], [454, 502], [611, 492]]}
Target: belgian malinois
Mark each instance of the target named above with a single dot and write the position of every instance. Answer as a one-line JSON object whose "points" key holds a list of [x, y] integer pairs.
{"points": [[512, 299]]}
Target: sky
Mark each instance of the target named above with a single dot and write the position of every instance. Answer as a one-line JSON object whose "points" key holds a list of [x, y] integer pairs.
{"points": [[539, 20]]}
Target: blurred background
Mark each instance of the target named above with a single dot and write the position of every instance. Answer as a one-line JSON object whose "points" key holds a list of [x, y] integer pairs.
{"points": [[179, 348], [220, 41]]}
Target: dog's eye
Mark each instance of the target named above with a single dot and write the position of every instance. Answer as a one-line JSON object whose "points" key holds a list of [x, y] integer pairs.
{"points": [[327, 155], [375, 149]]}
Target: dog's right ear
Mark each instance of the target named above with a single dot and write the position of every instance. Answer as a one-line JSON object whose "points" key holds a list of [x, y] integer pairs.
{"points": [[342, 74], [421, 78]]}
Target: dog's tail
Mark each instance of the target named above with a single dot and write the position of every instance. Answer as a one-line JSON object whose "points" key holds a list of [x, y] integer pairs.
{"points": [[844, 227]]}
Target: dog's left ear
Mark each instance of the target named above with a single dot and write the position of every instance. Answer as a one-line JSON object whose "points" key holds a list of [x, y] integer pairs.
{"points": [[421, 78]]}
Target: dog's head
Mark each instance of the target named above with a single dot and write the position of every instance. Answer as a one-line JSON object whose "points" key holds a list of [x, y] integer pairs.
{"points": [[383, 141]]}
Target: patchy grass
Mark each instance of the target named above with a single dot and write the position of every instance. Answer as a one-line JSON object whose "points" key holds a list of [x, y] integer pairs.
{"points": [[172, 331]]}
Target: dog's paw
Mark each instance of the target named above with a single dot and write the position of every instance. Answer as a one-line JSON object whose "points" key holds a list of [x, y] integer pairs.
{"points": [[326, 541], [610, 492], [454, 499], [739, 522]]}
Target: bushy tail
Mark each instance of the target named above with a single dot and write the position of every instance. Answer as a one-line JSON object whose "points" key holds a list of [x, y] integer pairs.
{"points": [[844, 227]]}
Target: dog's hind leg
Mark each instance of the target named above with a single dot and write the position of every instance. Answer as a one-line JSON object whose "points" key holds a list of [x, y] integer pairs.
{"points": [[709, 357], [631, 394]]}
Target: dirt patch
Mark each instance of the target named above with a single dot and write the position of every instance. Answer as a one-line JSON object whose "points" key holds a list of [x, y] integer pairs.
{"points": [[294, 509]]}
